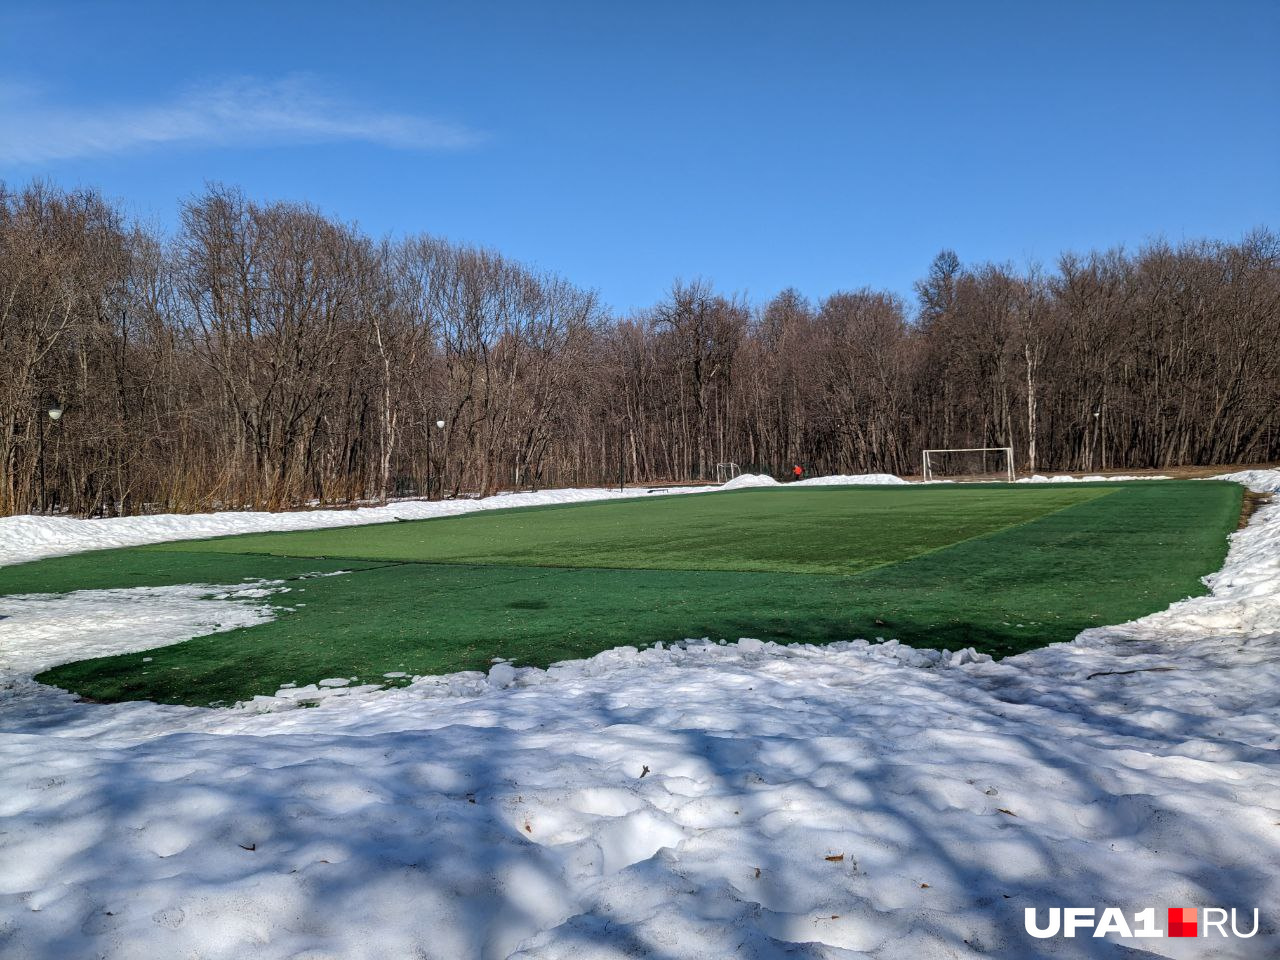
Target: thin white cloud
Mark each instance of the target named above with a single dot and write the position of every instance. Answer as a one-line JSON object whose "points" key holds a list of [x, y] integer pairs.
{"points": [[240, 112]]}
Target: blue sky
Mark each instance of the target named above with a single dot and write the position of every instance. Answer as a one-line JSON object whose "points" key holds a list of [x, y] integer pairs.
{"points": [[818, 145]]}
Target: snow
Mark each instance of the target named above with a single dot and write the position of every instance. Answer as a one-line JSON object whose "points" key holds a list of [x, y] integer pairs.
{"points": [[1091, 478], [703, 799], [746, 480], [1259, 481], [865, 479], [32, 538], [39, 631], [837, 480]]}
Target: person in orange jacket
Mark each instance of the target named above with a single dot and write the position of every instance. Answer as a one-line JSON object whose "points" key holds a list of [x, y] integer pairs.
{"points": [[797, 472]]}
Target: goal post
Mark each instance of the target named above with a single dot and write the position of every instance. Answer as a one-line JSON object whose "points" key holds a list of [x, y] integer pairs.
{"points": [[933, 460], [727, 471]]}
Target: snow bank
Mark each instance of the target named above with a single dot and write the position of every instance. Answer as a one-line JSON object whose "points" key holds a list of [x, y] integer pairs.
{"points": [[1090, 478], [838, 480], [31, 538], [744, 480], [862, 479], [1259, 481], [702, 800]]}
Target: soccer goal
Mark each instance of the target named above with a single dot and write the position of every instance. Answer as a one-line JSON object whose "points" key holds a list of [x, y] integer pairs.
{"points": [[969, 463], [727, 471]]}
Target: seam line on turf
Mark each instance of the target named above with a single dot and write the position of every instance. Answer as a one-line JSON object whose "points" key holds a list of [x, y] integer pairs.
{"points": [[337, 558]]}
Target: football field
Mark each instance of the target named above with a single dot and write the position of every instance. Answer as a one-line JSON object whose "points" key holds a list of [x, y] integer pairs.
{"points": [[1002, 568]]}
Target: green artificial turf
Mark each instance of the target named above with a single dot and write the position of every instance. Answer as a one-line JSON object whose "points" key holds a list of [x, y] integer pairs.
{"points": [[806, 530], [1002, 569]]}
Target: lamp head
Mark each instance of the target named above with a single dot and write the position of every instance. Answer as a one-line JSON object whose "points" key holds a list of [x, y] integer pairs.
{"points": [[440, 424]]}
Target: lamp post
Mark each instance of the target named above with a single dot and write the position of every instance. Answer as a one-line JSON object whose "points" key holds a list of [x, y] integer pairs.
{"points": [[440, 427], [48, 407], [622, 455], [1097, 437]]}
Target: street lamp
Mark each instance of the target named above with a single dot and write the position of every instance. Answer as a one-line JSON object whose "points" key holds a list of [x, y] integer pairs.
{"points": [[622, 457], [440, 427], [1102, 437], [52, 408]]}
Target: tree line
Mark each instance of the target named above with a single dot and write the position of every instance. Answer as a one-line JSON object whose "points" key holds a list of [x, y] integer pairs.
{"points": [[265, 355]]}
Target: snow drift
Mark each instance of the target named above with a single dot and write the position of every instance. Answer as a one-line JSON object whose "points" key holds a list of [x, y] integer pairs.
{"points": [[32, 538], [837, 480]]}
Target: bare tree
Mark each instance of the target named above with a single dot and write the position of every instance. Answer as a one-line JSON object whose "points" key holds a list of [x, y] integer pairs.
{"points": [[267, 355]]}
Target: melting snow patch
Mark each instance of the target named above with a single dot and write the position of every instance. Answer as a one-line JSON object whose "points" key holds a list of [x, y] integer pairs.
{"points": [[39, 631]]}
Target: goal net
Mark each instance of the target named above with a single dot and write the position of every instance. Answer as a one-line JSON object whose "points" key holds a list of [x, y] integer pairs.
{"points": [[969, 463], [726, 472]]}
